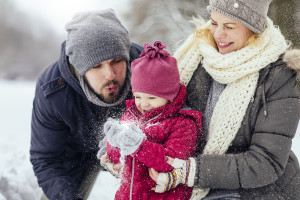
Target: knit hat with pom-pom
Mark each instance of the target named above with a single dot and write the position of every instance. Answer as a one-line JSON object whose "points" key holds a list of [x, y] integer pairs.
{"points": [[155, 72]]}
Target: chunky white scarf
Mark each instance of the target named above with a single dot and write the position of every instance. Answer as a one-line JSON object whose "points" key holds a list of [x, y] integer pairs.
{"points": [[240, 71]]}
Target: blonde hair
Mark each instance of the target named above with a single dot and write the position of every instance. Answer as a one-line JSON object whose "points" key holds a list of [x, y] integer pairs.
{"points": [[202, 31]]}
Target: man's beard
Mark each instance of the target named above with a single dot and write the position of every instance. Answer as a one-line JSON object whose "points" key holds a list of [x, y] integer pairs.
{"points": [[113, 96]]}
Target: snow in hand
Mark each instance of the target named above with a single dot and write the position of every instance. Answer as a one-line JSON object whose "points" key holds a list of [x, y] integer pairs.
{"points": [[17, 181]]}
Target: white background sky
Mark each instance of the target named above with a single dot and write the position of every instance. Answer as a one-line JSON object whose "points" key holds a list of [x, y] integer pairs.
{"points": [[58, 12]]}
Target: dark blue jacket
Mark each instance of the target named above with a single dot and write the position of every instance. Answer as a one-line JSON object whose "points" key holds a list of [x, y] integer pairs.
{"points": [[66, 129]]}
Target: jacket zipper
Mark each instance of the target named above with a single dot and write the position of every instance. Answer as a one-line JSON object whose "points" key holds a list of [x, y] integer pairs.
{"points": [[132, 177], [264, 99]]}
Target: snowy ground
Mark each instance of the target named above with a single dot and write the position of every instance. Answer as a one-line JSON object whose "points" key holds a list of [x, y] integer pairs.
{"points": [[17, 181]]}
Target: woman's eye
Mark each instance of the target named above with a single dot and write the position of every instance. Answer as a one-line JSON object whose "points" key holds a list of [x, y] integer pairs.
{"points": [[214, 24], [228, 27], [151, 97]]}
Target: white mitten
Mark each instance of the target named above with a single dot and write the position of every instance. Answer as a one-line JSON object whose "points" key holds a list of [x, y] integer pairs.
{"points": [[112, 128], [130, 139]]}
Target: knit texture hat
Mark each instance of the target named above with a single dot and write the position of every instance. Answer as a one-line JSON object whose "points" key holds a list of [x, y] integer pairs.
{"points": [[94, 37], [155, 72], [251, 13]]}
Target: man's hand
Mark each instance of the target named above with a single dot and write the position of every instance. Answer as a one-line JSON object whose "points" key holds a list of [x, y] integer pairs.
{"points": [[102, 148], [113, 168], [104, 158], [183, 173]]}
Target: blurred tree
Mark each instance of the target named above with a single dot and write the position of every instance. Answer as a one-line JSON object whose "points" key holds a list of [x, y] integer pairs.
{"points": [[167, 21], [26, 48], [286, 14]]}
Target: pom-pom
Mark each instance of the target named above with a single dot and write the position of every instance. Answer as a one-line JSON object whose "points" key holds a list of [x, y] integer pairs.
{"points": [[157, 50]]}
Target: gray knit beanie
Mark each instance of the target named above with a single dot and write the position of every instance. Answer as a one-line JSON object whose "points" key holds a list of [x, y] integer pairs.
{"points": [[251, 13], [94, 37]]}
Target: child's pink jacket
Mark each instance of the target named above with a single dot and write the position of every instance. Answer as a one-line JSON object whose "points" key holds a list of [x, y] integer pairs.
{"points": [[171, 131]]}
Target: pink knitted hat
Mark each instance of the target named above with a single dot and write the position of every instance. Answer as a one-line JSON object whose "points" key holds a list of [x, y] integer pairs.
{"points": [[155, 72]]}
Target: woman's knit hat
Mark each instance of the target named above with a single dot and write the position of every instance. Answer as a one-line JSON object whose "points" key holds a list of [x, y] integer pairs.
{"points": [[96, 36], [251, 13], [155, 72]]}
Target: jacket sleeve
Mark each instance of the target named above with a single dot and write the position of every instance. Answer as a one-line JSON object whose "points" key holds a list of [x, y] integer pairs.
{"points": [[181, 143], [48, 142], [267, 154]]}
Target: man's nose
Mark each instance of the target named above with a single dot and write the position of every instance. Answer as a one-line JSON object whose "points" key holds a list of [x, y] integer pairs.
{"points": [[109, 73]]}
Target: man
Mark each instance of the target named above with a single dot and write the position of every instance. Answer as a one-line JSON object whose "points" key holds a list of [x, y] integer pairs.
{"points": [[74, 97]]}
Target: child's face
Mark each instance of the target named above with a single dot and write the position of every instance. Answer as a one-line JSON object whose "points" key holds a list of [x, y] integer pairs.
{"points": [[147, 102]]}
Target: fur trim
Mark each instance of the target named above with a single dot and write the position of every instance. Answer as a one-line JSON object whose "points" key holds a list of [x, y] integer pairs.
{"points": [[292, 59]]}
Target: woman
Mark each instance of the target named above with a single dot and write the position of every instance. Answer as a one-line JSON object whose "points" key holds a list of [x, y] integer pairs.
{"points": [[238, 73]]}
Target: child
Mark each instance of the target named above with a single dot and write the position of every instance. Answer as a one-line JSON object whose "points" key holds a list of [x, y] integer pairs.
{"points": [[154, 125]]}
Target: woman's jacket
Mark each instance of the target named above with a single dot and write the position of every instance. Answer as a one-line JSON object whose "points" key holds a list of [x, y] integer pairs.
{"points": [[259, 162]]}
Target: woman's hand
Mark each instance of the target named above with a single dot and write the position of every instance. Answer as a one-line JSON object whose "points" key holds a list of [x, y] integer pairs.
{"points": [[169, 160], [154, 174], [183, 173]]}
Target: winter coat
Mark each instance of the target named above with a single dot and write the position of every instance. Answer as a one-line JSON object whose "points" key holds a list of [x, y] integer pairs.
{"points": [[171, 131], [66, 129], [259, 163]]}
